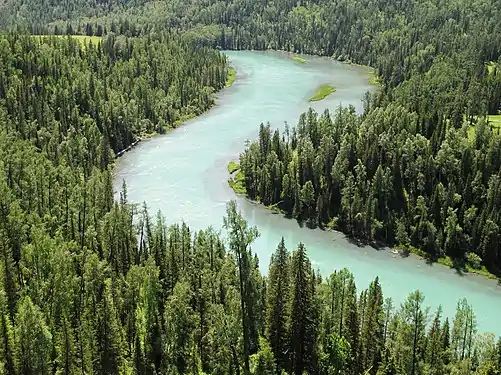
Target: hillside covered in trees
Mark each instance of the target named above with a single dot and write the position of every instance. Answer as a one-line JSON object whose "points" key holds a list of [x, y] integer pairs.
{"points": [[438, 50], [89, 285], [116, 90], [39, 12]]}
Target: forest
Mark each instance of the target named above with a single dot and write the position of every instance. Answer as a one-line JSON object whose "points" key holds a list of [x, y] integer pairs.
{"points": [[178, 301], [378, 179], [94, 285], [419, 168], [443, 55], [112, 92]]}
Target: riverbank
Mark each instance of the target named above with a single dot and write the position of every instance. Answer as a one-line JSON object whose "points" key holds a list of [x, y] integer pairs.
{"points": [[374, 79], [232, 76], [128, 148], [468, 267], [236, 181]]}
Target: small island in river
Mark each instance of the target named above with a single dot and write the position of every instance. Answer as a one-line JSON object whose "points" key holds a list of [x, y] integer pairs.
{"points": [[322, 92], [298, 59]]}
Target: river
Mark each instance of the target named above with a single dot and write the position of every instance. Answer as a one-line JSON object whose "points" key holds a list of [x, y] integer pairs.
{"points": [[183, 174]]}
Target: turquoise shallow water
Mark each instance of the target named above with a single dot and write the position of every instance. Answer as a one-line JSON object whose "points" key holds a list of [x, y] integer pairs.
{"points": [[184, 175]]}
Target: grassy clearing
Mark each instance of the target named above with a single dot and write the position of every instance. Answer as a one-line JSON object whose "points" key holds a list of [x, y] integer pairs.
{"points": [[298, 59], [232, 76], [493, 120], [322, 92], [83, 39]]}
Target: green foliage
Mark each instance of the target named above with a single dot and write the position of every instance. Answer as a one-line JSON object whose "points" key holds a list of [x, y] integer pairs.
{"points": [[263, 362], [237, 183], [374, 80], [379, 179], [232, 76], [474, 260], [33, 340], [94, 286], [233, 167], [322, 92], [337, 352]]}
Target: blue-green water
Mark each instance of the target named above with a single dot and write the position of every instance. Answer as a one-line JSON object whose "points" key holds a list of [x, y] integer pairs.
{"points": [[184, 174]]}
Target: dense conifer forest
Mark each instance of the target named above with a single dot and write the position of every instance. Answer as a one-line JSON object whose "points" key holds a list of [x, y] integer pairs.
{"points": [[420, 167], [90, 285], [379, 179]]}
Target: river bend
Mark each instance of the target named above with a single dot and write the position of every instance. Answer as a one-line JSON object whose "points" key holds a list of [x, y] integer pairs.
{"points": [[183, 174]]}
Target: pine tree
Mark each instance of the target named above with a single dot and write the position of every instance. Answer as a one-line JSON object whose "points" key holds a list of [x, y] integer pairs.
{"points": [[434, 349], [301, 317], [411, 334], [240, 238], [277, 304], [33, 340], [352, 333], [109, 335], [373, 328]]}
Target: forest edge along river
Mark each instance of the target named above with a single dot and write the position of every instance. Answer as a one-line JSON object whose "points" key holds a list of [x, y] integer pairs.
{"points": [[184, 174]]}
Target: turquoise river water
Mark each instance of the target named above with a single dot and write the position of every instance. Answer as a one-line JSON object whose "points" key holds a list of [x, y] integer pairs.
{"points": [[183, 174]]}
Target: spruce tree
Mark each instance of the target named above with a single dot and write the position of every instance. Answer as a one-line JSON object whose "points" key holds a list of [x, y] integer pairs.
{"points": [[277, 304], [301, 317]]}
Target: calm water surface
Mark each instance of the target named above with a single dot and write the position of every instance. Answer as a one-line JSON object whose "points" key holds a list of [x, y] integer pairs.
{"points": [[184, 175]]}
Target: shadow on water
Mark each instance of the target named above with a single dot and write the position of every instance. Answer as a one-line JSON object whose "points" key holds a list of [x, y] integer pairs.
{"points": [[355, 241], [458, 266]]}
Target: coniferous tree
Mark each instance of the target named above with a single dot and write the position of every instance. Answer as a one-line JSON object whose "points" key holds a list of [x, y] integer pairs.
{"points": [[240, 238], [278, 296], [301, 340], [33, 340], [411, 334]]}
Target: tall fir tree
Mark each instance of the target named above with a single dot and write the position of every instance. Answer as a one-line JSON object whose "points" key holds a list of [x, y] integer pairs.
{"points": [[278, 300]]}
